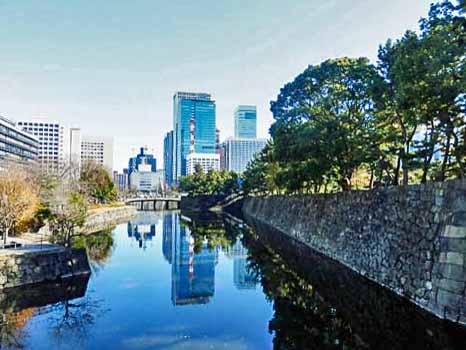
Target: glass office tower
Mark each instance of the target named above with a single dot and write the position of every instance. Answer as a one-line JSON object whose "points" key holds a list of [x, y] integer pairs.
{"points": [[201, 108], [246, 122], [168, 157]]}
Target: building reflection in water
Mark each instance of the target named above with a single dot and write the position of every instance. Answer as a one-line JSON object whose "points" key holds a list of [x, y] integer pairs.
{"points": [[142, 229], [243, 278], [193, 273]]}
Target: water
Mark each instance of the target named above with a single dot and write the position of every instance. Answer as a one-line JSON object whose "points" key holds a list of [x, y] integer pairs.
{"points": [[165, 281]]}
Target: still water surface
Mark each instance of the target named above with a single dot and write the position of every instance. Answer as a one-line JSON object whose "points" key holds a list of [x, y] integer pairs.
{"points": [[167, 281]]}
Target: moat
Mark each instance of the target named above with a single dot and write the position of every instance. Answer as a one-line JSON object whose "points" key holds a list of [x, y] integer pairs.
{"points": [[171, 281]]}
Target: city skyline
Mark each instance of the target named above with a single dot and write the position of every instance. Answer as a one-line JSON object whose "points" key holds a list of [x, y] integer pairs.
{"points": [[81, 77]]}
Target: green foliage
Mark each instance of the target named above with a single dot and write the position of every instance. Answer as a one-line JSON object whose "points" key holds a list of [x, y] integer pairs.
{"points": [[346, 122], [98, 246], [98, 183], [213, 183]]}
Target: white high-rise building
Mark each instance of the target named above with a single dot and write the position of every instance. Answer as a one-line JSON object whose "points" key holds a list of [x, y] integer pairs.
{"points": [[207, 161], [239, 152], [56, 142], [99, 150]]}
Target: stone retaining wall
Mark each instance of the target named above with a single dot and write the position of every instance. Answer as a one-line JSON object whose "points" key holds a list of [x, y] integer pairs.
{"points": [[409, 239], [49, 264], [101, 219]]}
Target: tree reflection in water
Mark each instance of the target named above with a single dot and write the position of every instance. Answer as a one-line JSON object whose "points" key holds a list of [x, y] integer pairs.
{"points": [[99, 247], [64, 306], [72, 320], [320, 304], [302, 318], [210, 228]]}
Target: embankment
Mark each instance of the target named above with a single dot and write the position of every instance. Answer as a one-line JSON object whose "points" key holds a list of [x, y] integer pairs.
{"points": [[106, 217], [409, 239], [35, 265]]}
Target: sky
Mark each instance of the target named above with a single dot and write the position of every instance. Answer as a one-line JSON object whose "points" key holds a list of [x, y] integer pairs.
{"points": [[111, 67]]}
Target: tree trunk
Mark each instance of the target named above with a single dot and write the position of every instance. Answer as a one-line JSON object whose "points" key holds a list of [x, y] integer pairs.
{"points": [[446, 156], [458, 155], [404, 165], [5, 235], [396, 179]]}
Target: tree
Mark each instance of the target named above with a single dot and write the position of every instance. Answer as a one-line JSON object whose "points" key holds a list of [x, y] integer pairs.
{"points": [[424, 82], [18, 199], [97, 182], [325, 125], [68, 213]]}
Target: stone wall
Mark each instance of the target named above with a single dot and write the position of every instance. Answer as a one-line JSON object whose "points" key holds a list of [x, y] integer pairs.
{"points": [[409, 239], [103, 218], [20, 267], [200, 202]]}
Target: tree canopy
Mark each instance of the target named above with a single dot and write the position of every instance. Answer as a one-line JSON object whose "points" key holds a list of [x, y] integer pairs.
{"points": [[347, 123]]}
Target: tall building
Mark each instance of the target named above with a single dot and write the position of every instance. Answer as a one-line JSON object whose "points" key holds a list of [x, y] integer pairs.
{"points": [[144, 159], [168, 157], [97, 149], [16, 144], [246, 122], [220, 150], [54, 141], [239, 152], [74, 145], [143, 174], [121, 179], [197, 108]]}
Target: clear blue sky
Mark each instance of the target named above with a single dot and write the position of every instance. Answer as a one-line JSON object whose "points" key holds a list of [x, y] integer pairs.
{"points": [[111, 67]]}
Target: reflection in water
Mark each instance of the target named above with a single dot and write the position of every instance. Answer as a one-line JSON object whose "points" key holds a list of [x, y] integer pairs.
{"points": [[99, 247], [263, 291], [320, 304], [193, 273], [18, 305], [243, 276], [142, 229]]}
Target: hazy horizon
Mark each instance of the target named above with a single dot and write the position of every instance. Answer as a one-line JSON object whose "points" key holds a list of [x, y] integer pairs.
{"points": [[112, 69]]}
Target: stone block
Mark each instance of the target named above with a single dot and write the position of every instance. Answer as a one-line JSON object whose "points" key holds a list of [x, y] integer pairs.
{"points": [[452, 272], [452, 258], [453, 231], [456, 245], [452, 286], [448, 299]]}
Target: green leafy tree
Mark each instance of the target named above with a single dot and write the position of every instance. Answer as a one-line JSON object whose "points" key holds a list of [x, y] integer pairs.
{"points": [[325, 127], [97, 182]]}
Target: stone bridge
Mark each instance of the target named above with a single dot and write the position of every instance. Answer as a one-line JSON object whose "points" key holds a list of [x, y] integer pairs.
{"points": [[155, 203]]}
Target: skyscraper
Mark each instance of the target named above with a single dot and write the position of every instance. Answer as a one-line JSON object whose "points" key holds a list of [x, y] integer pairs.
{"points": [[197, 108], [239, 152], [168, 157], [246, 122]]}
